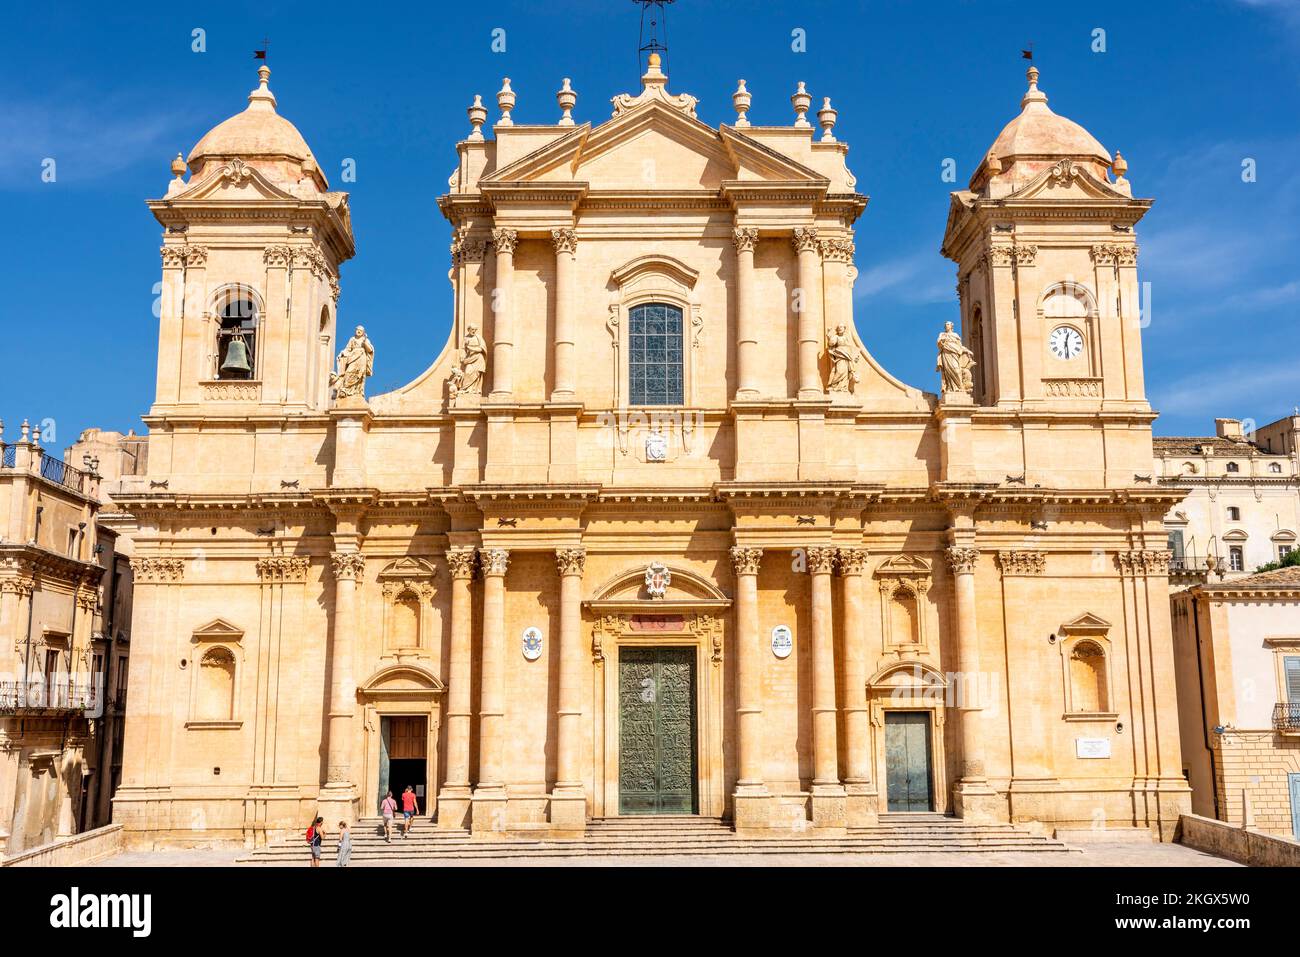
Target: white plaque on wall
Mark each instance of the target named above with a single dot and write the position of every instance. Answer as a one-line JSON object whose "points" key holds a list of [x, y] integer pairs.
{"points": [[782, 641], [656, 447], [532, 643], [1092, 747]]}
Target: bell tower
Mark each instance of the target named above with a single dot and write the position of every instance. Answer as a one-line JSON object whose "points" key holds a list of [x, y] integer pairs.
{"points": [[252, 245], [1047, 268]]}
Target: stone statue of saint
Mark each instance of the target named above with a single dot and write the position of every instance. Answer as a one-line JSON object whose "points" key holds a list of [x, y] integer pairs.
{"points": [[467, 378], [843, 355], [955, 362], [355, 363]]}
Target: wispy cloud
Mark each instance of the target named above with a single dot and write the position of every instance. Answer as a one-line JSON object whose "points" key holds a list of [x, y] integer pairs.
{"points": [[87, 141], [1245, 390], [920, 277]]}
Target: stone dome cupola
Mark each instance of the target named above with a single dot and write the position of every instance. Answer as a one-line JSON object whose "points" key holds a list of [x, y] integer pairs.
{"points": [[1036, 139], [261, 138]]}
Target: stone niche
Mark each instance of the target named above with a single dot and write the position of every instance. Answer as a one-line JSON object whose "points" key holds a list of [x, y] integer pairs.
{"points": [[407, 588]]}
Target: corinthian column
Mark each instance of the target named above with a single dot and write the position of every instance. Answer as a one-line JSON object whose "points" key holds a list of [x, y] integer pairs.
{"points": [[568, 798], [338, 793], [972, 794], [827, 792], [746, 239], [751, 797], [861, 810], [565, 242], [503, 308], [809, 304], [453, 801], [490, 795]]}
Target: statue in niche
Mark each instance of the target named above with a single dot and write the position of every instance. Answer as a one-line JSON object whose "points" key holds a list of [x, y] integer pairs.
{"points": [[467, 378], [955, 362], [355, 364], [843, 355]]}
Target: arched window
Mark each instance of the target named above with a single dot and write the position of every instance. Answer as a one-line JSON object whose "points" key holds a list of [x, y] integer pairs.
{"points": [[1234, 467], [1088, 691], [655, 354], [237, 337], [216, 686]]}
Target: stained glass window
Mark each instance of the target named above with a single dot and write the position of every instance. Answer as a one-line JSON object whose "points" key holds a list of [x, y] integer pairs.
{"points": [[655, 355]]}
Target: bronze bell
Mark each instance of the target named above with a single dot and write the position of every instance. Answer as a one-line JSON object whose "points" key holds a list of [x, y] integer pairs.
{"points": [[236, 356]]}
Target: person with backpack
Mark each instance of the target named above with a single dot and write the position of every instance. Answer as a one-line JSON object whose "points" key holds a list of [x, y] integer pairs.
{"points": [[388, 808], [409, 809], [314, 835], [345, 844]]}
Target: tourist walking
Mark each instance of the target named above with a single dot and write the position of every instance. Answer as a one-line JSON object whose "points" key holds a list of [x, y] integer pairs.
{"points": [[314, 834], [345, 844], [388, 808], [409, 807]]}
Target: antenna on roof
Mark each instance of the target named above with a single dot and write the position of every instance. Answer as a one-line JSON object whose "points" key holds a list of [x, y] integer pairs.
{"points": [[261, 54], [658, 32]]}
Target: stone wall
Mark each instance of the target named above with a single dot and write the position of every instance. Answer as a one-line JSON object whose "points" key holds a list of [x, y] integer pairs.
{"points": [[71, 851], [1257, 762], [1238, 843]]}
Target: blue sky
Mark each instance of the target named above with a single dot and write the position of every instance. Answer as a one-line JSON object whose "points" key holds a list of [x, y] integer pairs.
{"points": [[1185, 90]]}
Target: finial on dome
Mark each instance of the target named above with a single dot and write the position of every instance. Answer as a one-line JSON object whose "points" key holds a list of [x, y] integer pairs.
{"points": [[262, 98], [567, 97], [993, 163], [801, 101], [477, 117], [1119, 166], [178, 166], [741, 100], [826, 116], [506, 101], [1033, 94]]}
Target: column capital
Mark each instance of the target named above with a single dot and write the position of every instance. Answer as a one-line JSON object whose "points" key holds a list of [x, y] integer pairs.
{"points": [[821, 559], [565, 240], [494, 561], [745, 238], [570, 561], [851, 560], [504, 240], [460, 559], [805, 239], [1021, 562], [347, 566], [837, 250], [746, 559], [961, 559]]}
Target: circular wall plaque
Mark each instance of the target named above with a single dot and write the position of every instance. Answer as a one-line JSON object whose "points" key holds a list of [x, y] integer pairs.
{"points": [[532, 643], [782, 641]]}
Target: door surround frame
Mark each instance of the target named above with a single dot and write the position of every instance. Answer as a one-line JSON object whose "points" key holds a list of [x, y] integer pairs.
{"points": [[909, 685], [401, 691]]}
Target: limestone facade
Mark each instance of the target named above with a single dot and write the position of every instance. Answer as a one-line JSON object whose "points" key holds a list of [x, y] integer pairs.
{"points": [[654, 532], [1237, 651]]}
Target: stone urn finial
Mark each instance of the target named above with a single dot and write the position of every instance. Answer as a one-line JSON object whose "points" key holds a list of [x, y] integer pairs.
{"points": [[477, 117], [567, 97], [826, 116], [506, 101], [801, 101], [741, 99]]}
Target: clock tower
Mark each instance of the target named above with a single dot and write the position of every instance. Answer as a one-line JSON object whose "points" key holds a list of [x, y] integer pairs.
{"points": [[1047, 268]]}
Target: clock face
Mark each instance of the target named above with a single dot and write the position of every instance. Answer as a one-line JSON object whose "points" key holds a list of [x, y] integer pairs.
{"points": [[1065, 342]]}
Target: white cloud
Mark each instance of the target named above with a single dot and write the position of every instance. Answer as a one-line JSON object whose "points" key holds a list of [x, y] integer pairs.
{"points": [[918, 278]]}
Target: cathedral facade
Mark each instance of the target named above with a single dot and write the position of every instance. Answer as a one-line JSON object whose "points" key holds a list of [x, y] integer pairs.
{"points": [[655, 533]]}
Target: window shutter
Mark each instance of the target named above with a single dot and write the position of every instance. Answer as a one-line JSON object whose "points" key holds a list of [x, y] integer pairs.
{"points": [[1293, 679]]}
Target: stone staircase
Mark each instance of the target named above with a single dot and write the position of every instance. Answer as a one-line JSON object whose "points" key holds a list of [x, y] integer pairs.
{"points": [[664, 836]]}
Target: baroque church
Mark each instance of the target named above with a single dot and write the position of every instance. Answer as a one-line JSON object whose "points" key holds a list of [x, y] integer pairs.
{"points": [[654, 534]]}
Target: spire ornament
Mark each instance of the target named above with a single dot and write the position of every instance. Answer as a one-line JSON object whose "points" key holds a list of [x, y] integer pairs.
{"points": [[567, 98], [741, 100], [477, 117], [506, 101], [801, 101], [826, 116]]}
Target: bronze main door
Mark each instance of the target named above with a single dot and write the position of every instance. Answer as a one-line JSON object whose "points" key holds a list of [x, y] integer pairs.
{"points": [[656, 722]]}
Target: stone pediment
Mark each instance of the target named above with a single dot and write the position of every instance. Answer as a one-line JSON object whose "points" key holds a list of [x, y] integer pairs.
{"points": [[1067, 180], [908, 566], [218, 630], [673, 149], [1087, 623], [685, 589], [401, 680], [235, 181]]}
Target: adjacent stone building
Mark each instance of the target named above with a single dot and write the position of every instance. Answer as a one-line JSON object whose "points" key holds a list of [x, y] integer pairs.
{"points": [[654, 533]]}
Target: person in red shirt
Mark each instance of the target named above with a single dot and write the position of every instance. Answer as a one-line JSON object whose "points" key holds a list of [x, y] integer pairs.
{"points": [[409, 808]]}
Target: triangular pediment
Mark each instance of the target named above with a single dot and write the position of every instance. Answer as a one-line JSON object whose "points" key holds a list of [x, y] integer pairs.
{"points": [[219, 628], [1085, 623], [1067, 180], [653, 146], [909, 565], [408, 567], [234, 181]]}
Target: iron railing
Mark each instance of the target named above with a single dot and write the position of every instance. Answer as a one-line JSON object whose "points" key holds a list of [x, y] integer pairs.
{"points": [[56, 697], [1286, 716], [8, 456], [61, 473]]}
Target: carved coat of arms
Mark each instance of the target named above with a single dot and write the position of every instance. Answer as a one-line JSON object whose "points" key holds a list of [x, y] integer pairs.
{"points": [[657, 579]]}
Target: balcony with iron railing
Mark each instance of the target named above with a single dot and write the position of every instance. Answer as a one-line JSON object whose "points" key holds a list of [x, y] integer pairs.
{"points": [[57, 697], [1286, 717], [48, 467]]}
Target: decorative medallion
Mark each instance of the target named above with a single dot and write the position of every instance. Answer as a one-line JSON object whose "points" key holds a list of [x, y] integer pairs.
{"points": [[532, 643], [656, 447], [782, 641], [657, 579]]}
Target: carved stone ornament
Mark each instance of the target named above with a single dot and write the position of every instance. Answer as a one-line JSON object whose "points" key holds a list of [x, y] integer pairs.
{"points": [[236, 172], [851, 560], [505, 240], [657, 579], [460, 560], [283, 568], [961, 560], [157, 569], [805, 239], [565, 240], [837, 250], [654, 89], [494, 561], [277, 256], [745, 560], [843, 354], [745, 238], [467, 377], [999, 256], [356, 363], [467, 248], [1114, 254], [570, 561], [821, 559], [955, 362], [1021, 562], [347, 566]]}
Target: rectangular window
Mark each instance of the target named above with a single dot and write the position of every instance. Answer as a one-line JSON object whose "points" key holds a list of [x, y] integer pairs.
{"points": [[655, 355], [1292, 663], [1236, 558], [1176, 547], [1283, 551]]}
